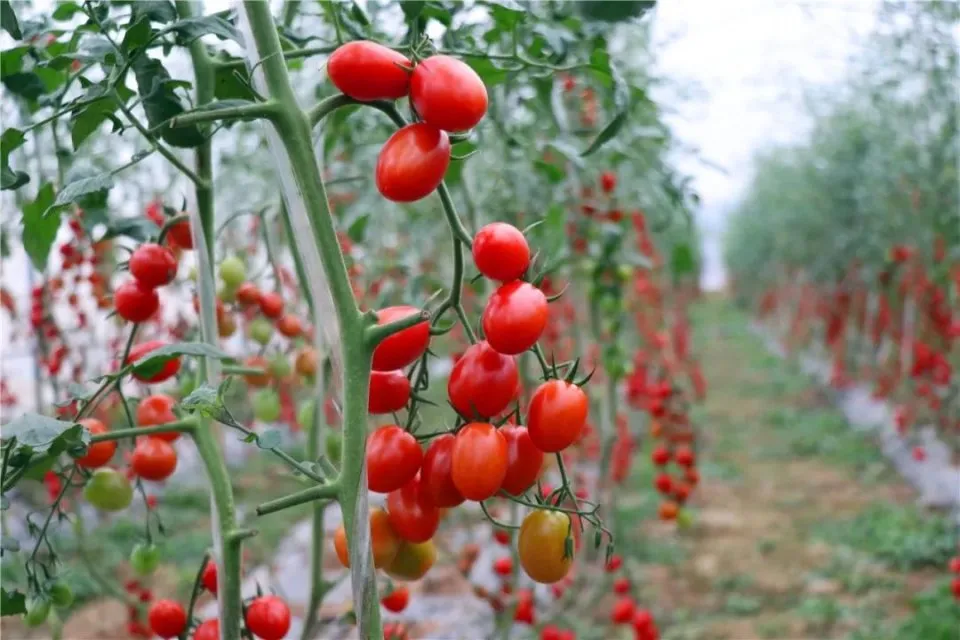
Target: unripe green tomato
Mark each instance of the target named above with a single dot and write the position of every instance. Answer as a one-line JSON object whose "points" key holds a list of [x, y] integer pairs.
{"points": [[266, 405], [187, 385], [192, 274], [227, 294], [280, 366], [684, 519], [232, 272], [625, 271], [145, 558], [305, 413], [108, 490], [333, 446], [261, 330], [38, 610], [61, 595]]}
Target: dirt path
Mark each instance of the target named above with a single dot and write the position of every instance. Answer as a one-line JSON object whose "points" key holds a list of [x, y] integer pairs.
{"points": [[800, 530]]}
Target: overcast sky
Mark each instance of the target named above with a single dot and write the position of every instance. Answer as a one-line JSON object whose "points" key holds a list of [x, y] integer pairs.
{"points": [[752, 61]]}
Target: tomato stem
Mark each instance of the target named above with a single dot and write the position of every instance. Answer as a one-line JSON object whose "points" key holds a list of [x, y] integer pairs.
{"points": [[187, 424]]}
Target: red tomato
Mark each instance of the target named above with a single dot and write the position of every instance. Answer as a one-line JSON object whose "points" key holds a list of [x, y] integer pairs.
{"points": [[412, 515], [412, 162], [523, 460], [209, 576], [157, 409], [483, 382], [684, 456], [268, 618], [501, 252], [248, 294], [135, 302], [556, 415], [621, 586], [152, 265], [393, 458], [437, 473], [503, 566], [290, 326], [404, 347], [623, 610], [389, 391], [207, 630], [180, 235], [170, 367], [153, 459], [660, 456], [167, 618], [396, 600], [608, 181], [448, 94], [514, 317], [479, 461], [369, 71], [99, 453], [384, 541], [271, 304]]}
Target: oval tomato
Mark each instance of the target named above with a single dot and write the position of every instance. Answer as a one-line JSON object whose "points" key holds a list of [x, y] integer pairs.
{"points": [[389, 391], [271, 304], [403, 347], [167, 371], [448, 94], [289, 326], [383, 539], [501, 252], [368, 71], [157, 409], [393, 458], [152, 265], [98, 453], [479, 461], [437, 472], [268, 618], [153, 459], [413, 560], [180, 235], [556, 415], [524, 460], [412, 163], [483, 382], [135, 302], [412, 515], [207, 630], [542, 545], [515, 316]]}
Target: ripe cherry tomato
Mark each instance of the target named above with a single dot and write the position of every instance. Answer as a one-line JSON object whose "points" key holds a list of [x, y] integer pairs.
{"points": [[608, 181], [479, 461], [290, 326], [412, 163], [257, 379], [413, 560], [389, 391], [684, 456], [135, 302], [98, 453], [542, 545], [501, 252], [153, 459], [448, 94], [369, 71], [383, 539], [268, 618], [180, 235], [167, 618], [660, 455], [108, 490], [152, 265], [247, 294], [483, 382], [271, 304], [623, 610], [503, 566], [437, 472], [170, 367], [514, 317], [157, 409], [556, 415], [396, 600], [412, 514], [207, 630], [209, 576], [403, 347], [393, 458], [306, 362], [524, 460], [621, 586]]}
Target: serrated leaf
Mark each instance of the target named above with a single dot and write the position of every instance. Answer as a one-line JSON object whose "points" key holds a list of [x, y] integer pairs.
{"points": [[88, 120], [12, 603], [44, 435], [269, 439], [76, 191], [8, 20], [151, 363], [39, 230]]}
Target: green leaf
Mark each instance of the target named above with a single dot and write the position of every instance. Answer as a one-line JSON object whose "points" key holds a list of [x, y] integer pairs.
{"points": [[490, 73], [12, 603], [155, 11], [136, 36], [38, 434], [190, 29], [208, 402], [86, 121], [160, 103], [66, 10], [9, 544], [25, 84], [10, 179], [39, 230], [8, 20], [231, 84], [553, 172], [151, 363], [358, 227], [95, 48], [621, 103], [505, 13], [614, 10], [411, 8], [79, 189], [269, 439], [136, 228], [681, 259], [10, 140]]}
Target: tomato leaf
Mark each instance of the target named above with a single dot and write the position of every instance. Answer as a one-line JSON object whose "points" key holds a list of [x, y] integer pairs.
{"points": [[135, 228], [358, 227], [39, 230], [412, 8], [161, 104], [621, 103], [12, 603], [553, 172], [90, 189], [269, 439], [151, 363], [10, 140], [27, 84], [682, 260], [8, 20], [190, 29], [136, 36], [40, 438], [155, 11]]}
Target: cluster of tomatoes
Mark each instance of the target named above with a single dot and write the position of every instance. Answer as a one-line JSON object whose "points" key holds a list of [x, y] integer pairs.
{"points": [[446, 94]]}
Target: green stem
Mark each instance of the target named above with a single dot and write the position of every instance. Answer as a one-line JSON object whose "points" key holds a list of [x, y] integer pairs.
{"points": [[187, 424], [329, 491]]}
